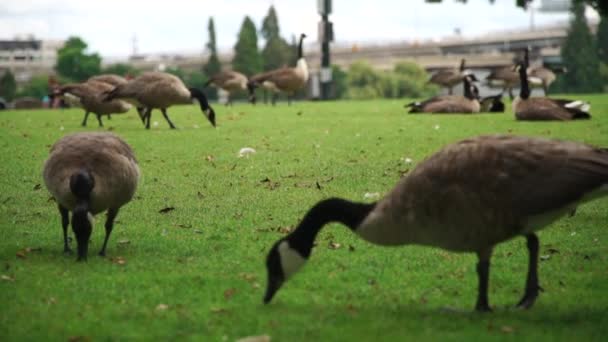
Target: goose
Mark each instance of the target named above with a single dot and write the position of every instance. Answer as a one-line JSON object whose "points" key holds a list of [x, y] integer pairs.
{"points": [[116, 80], [287, 80], [543, 77], [89, 96], [88, 173], [492, 104], [229, 81], [505, 77], [544, 108], [448, 78], [160, 90], [448, 104], [468, 197]]}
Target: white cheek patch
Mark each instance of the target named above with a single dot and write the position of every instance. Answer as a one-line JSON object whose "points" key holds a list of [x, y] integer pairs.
{"points": [[291, 260], [574, 104], [91, 219]]}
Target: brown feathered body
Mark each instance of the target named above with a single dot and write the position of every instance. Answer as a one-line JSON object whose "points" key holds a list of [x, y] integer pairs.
{"points": [[107, 157], [230, 81], [447, 104], [288, 79], [154, 90], [90, 96], [111, 79], [479, 192]]}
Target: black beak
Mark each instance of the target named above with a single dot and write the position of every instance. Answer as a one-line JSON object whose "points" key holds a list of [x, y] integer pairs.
{"points": [[210, 114], [274, 284]]}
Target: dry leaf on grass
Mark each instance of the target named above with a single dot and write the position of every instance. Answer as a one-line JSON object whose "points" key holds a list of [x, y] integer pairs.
{"points": [[261, 338], [161, 307], [7, 278], [166, 210], [334, 245], [507, 329], [229, 293], [124, 242], [118, 260], [37, 186]]}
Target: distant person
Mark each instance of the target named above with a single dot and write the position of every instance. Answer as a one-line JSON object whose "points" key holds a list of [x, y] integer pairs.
{"points": [[54, 93]]}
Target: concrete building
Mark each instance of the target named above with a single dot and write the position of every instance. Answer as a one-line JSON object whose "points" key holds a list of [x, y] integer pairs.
{"points": [[28, 56]]}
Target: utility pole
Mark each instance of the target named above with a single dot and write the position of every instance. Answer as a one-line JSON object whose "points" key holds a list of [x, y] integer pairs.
{"points": [[326, 35]]}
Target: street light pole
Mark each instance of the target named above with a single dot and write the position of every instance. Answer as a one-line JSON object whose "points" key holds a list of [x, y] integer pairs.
{"points": [[326, 35]]}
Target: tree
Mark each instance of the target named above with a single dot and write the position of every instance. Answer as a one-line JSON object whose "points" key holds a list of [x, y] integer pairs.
{"points": [[37, 87], [579, 56], [74, 63], [276, 52], [213, 65], [8, 85], [339, 82], [247, 58], [602, 39]]}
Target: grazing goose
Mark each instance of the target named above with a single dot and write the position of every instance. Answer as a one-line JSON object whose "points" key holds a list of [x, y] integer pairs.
{"points": [[286, 80], [544, 108], [90, 96], [468, 197], [543, 77], [116, 80], [88, 173], [448, 78], [160, 90], [229, 81], [448, 104]]}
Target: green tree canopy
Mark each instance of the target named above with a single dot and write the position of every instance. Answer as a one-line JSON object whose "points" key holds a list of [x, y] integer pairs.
{"points": [[213, 65], [602, 39], [8, 85], [247, 58], [276, 52], [578, 54], [74, 63]]}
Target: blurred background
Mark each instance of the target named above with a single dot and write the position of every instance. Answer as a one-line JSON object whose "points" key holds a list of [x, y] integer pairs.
{"points": [[355, 49]]}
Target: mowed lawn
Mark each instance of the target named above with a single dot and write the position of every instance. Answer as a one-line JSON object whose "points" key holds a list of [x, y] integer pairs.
{"points": [[197, 272]]}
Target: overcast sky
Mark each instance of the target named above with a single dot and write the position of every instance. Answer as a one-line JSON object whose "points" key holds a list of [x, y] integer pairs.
{"points": [[181, 25]]}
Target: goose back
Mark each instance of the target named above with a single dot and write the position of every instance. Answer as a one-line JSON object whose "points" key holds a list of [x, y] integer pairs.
{"points": [[481, 191], [110, 160], [154, 90]]}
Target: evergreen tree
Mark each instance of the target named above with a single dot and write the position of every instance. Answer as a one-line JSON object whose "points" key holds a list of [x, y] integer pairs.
{"points": [[8, 85], [602, 39], [247, 58], [213, 65], [74, 63], [276, 52], [579, 56]]}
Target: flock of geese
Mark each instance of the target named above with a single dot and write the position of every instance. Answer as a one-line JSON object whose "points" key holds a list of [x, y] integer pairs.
{"points": [[467, 197]]}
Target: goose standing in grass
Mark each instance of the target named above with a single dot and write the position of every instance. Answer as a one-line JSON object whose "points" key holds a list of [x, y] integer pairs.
{"points": [[90, 96], [116, 80], [543, 77], [544, 108], [449, 104], [88, 173], [468, 197], [506, 77], [286, 80], [229, 81], [449, 78], [160, 90]]}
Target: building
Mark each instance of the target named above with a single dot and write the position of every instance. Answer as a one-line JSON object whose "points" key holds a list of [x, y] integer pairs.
{"points": [[29, 56]]}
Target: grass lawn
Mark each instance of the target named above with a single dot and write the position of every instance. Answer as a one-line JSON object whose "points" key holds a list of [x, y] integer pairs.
{"points": [[197, 272]]}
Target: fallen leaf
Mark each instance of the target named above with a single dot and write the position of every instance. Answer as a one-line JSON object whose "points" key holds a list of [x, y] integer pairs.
{"points": [[118, 260], [166, 210], [371, 195], [506, 329], [37, 186], [249, 277], [198, 231], [351, 248], [7, 278], [209, 158], [334, 245], [51, 300], [20, 254], [124, 242], [245, 152], [218, 310], [284, 230], [553, 251], [229, 293], [186, 226], [318, 186], [545, 257], [162, 307], [261, 338]]}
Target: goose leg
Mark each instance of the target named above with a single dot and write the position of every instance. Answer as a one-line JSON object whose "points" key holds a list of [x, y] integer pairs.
{"points": [[483, 273], [109, 225], [141, 112], [99, 119], [274, 99], [65, 222], [288, 100], [86, 116], [109, 117], [532, 287], [164, 111], [147, 117]]}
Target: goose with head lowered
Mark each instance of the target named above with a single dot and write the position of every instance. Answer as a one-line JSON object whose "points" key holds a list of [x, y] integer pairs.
{"points": [[449, 78], [230, 81], [468, 197], [450, 104], [88, 173], [284, 80], [160, 90], [114, 80]]}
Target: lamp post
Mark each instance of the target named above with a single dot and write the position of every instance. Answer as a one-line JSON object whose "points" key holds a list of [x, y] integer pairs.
{"points": [[326, 35]]}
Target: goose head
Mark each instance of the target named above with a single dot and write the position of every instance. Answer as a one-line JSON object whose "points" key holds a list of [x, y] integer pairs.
{"points": [[199, 96], [282, 262]]}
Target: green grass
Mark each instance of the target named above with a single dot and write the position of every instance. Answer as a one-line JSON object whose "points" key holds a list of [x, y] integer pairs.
{"points": [[204, 259]]}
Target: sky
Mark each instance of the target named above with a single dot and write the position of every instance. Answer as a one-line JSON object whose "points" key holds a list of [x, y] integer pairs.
{"points": [[180, 26]]}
